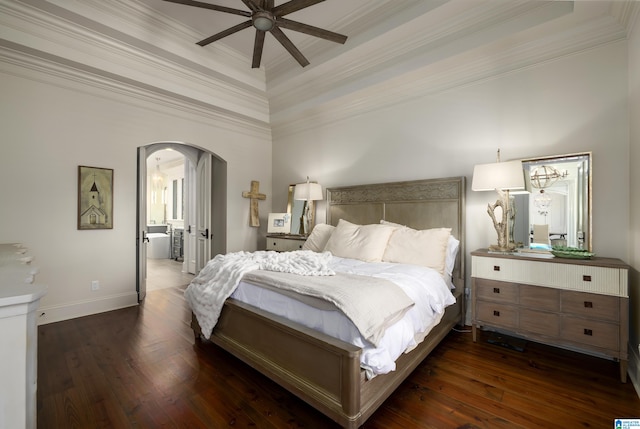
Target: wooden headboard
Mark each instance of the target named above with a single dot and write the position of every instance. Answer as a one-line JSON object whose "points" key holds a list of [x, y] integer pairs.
{"points": [[419, 204]]}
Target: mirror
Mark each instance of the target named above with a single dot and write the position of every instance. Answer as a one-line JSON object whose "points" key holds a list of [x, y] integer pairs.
{"points": [[296, 208], [560, 197]]}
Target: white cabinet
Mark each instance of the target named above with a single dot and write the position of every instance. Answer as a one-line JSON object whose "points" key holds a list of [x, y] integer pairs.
{"points": [[19, 300]]}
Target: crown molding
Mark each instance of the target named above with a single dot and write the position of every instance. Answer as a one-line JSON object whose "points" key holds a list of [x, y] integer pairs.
{"points": [[38, 67], [361, 25], [88, 44], [135, 19], [626, 13], [486, 62], [452, 29]]}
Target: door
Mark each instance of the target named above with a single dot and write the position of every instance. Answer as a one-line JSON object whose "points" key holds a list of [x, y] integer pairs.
{"points": [[141, 227], [205, 201], [190, 236], [204, 231]]}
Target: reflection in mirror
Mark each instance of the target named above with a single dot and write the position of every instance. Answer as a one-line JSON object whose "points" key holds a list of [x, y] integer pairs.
{"points": [[559, 199]]}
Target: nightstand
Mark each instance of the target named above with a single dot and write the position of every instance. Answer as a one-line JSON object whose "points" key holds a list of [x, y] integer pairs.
{"points": [[285, 242], [578, 304]]}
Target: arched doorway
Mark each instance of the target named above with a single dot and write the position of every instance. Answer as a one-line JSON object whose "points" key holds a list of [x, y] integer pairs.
{"points": [[204, 194]]}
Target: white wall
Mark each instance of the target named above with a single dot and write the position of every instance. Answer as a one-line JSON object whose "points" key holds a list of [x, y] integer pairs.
{"points": [[634, 198], [574, 104], [50, 125]]}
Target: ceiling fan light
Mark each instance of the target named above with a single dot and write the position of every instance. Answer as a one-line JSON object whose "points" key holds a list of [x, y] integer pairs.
{"points": [[263, 21]]}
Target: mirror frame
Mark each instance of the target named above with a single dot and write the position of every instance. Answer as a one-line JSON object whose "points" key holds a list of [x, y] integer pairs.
{"points": [[588, 242]]}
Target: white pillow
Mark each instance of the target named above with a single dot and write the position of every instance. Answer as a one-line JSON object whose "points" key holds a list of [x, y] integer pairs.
{"points": [[427, 248], [318, 237], [364, 242], [452, 249]]}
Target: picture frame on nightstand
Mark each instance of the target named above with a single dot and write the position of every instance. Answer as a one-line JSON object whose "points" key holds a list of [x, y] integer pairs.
{"points": [[279, 223]]}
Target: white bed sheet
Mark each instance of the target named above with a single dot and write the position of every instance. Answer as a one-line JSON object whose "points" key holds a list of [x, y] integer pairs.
{"points": [[424, 286]]}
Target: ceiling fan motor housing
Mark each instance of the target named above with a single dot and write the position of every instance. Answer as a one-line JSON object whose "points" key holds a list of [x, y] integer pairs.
{"points": [[263, 20]]}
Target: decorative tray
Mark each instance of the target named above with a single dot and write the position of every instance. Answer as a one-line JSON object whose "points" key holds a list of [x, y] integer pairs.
{"points": [[571, 253]]}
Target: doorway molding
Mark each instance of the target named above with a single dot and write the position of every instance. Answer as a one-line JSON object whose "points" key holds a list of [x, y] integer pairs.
{"points": [[216, 182]]}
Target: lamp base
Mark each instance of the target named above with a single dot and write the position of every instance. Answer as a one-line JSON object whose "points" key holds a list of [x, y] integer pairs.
{"points": [[511, 248]]}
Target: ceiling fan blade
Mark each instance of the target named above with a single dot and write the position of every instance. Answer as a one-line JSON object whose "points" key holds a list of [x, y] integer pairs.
{"points": [[251, 5], [293, 6], [211, 6], [225, 33], [257, 49], [311, 30], [289, 46]]}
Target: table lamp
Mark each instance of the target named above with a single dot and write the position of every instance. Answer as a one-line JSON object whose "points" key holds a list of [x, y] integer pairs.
{"points": [[307, 192], [501, 177]]}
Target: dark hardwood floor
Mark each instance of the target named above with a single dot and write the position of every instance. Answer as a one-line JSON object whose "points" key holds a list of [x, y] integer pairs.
{"points": [[139, 368]]}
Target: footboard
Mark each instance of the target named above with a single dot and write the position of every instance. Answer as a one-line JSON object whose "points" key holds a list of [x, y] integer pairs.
{"points": [[321, 370]]}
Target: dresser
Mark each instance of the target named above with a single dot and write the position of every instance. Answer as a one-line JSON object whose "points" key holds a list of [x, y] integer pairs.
{"points": [[582, 305], [285, 242]]}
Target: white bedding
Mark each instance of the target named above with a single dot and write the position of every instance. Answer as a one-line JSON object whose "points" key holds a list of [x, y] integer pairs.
{"points": [[218, 279], [424, 286]]}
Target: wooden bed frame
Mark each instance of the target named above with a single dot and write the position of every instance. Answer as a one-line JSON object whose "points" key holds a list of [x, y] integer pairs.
{"points": [[322, 370]]}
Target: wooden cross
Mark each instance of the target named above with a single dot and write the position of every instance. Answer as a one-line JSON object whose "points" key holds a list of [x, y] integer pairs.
{"points": [[254, 195]]}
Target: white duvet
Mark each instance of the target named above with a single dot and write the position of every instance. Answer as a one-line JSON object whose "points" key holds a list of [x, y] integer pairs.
{"points": [[218, 279], [424, 286]]}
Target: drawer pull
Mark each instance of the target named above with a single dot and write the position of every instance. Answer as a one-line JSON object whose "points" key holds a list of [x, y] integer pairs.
{"points": [[496, 290], [586, 278], [496, 268], [496, 313], [588, 304], [588, 332]]}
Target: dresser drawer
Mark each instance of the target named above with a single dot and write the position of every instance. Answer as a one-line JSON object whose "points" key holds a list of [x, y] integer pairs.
{"points": [[541, 298], [493, 269], [502, 315], [592, 306], [602, 280], [591, 332], [284, 244], [539, 322], [584, 278], [491, 290]]}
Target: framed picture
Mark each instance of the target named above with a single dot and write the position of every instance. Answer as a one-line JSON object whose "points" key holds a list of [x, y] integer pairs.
{"points": [[95, 198], [279, 223]]}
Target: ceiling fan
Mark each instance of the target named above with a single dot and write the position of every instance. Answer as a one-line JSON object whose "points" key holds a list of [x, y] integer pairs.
{"points": [[267, 17]]}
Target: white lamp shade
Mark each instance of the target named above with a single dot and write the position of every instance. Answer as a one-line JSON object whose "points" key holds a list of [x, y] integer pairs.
{"points": [[500, 175], [307, 191]]}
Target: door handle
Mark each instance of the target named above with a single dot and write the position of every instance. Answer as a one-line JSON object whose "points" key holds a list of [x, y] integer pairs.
{"points": [[205, 234]]}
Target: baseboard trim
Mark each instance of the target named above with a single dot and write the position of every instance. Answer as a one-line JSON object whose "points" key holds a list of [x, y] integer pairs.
{"points": [[58, 313]]}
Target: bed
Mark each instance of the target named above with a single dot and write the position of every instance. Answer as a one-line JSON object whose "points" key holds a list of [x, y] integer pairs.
{"points": [[322, 370]]}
